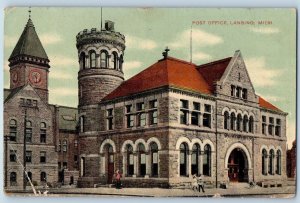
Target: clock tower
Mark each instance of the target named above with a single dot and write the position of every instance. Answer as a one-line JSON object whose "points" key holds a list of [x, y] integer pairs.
{"points": [[29, 63]]}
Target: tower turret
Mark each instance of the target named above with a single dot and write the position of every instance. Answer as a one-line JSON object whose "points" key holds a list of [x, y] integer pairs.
{"points": [[29, 63], [100, 54]]}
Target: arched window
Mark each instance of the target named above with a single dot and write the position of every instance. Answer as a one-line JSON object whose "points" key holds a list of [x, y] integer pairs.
{"points": [[115, 60], [183, 159], [130, 161], [264, 162], [13, 178], [226, 120], [142, 159], [207, 160], [232, 121], [239, 122], [13, 130], [245, 123], [28, 131], [103, 59], [43, 132], [65, 144], [195, 159], [121, 63], [92, 59], [43, 177], [154, 159], [82, 61], [251, 124], [278, 162], [271, 162]]}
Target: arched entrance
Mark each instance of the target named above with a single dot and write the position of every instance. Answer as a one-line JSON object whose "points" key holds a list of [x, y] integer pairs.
{"points": [[237, 166]]}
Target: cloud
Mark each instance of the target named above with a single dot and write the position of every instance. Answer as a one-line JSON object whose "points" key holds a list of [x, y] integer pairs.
{"points": [[129, 65], [63, 61], [133, 42], [265, 30], [259, 73], [56, 74], [10, 41], [200, 38], [201, 56], [50, 38], [63, 91]]}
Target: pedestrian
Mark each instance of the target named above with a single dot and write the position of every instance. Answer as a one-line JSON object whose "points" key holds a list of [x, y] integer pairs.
{"points": [[200, 183], [118, 176], [194, 183]]}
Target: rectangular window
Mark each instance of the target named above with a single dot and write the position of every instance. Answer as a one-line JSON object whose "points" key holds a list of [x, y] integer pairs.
{"points": [[75, 158], [42, 157], [65, 165], [207, 115], [13, 156], [110, 119], [153, 113], [153, 117], [28, 156], [140, 106], [232, 90], [195, 118], [271, 126], [264, 125], [130, 121], [196, 106], [29, 135], [141, 119], [238, 92], [13, 133], [43, 136], [184, 106], [129, 117], [153, 104], [244, 93], [278, 127], [128, 108], [34, 103]]}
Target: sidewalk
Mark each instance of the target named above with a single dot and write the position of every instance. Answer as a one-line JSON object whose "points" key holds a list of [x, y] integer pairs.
{"points": [[234, 190]]}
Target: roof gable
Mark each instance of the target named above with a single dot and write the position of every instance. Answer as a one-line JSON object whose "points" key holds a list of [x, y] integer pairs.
{"points": [[29, 43], [212, 72]]}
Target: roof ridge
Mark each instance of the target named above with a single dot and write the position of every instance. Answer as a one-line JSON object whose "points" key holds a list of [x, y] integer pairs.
{"points": [[214, 62]]}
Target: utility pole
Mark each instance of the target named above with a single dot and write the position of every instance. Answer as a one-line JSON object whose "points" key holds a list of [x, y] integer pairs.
{"points": [[24, 152]]}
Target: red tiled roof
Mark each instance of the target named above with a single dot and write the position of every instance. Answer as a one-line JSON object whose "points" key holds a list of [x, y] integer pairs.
{"points": [[213, 71], [267, 105], [166, 72]]}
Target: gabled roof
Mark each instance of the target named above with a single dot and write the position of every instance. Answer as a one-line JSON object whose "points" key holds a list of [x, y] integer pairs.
{"points": [[10, 93], [166, 72], [267, 105], [29, 43], [213, 71]]}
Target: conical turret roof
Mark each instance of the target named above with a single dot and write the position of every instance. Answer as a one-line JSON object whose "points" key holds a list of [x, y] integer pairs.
{"points": [[29, 43]]}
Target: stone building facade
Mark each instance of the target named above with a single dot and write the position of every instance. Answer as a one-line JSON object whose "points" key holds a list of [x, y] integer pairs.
{"points": [[168, 122], [50, 154], [173, 120], [291, 157]]}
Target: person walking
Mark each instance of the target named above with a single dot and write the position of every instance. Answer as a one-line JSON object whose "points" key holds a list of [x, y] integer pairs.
{"points": [[200, 183], [194, 183], [118, 176]]}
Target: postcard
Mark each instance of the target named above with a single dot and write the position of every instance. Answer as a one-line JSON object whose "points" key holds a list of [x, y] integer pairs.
{"points": [[151, 102]]}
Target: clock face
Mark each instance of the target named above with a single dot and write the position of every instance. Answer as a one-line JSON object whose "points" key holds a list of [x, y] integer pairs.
{"points": [[35, 77], [15, 77]]}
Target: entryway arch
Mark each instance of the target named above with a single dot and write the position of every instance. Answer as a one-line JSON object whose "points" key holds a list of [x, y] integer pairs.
{"points": [[238, 163]]}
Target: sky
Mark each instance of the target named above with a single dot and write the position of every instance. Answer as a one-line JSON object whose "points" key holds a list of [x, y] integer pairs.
{"points": [[269, 49]]}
